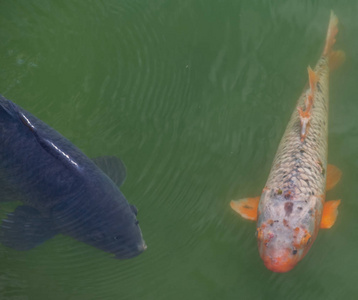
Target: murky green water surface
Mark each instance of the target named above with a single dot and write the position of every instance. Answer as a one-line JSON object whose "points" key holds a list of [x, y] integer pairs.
{"points": [[194, 96]]}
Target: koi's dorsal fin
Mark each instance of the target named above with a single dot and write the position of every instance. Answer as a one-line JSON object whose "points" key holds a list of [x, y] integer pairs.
{"points": [[313, 79], [305, 113], [305, 117], [246, 208], [330, 212]]}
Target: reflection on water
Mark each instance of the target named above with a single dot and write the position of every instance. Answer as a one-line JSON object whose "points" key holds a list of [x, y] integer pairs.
{"points": [[193, 97]]}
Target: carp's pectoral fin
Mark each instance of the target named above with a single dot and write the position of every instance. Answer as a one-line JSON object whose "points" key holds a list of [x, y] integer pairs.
{"points": [[113, 167], [333, 176], [246, 208], [25, 228], [330, 212]]}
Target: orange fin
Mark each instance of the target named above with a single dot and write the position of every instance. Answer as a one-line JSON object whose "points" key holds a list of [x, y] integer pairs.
{"points": [[330, 213], [305, 116], [246, 208], [333, 176], [331, 34], [336, 59], [313, 79]]}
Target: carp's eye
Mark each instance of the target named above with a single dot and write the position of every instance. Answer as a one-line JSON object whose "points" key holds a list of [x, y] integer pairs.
{"points": [[294, 251]]}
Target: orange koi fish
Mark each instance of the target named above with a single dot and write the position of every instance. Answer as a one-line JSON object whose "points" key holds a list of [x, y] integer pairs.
{"points": [[292, 205]]}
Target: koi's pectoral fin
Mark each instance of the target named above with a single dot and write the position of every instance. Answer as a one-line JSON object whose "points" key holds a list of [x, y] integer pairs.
{"points": [[333, 176], [25, 228], [330, 212], [246, 208]]}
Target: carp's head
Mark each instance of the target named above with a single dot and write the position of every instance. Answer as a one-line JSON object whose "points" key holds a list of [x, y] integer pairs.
{"points": [[112, 229], [119, 233], [286, 229]]}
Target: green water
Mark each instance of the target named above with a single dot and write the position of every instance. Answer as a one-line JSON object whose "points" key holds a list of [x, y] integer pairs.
{"points": [[194, 97]]}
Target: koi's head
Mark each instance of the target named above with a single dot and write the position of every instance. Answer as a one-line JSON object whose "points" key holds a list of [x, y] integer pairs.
{"points": [[285, 232]]}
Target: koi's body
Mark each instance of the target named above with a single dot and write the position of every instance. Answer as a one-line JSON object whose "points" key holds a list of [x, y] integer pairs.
{"points": [[289, 211], [291, 204]]}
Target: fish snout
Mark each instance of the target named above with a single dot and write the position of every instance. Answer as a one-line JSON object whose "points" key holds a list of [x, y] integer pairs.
{"points": [[280, 262], [133, 252]]}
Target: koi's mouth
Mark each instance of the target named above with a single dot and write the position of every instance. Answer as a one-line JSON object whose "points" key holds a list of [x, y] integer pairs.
{"points": [[281, 262]]}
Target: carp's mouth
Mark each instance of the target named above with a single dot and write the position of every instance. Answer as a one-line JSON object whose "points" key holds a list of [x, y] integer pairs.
{"points": [[130, 253]]}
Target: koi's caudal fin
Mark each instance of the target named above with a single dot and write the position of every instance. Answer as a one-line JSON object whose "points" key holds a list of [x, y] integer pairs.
{"points": [[335, 58]]}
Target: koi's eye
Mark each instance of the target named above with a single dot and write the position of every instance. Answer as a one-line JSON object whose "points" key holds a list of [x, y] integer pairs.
{"points": [[294, 251]]}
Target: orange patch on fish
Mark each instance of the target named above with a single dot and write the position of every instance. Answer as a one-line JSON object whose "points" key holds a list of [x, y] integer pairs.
{"points": [[281, 262]]}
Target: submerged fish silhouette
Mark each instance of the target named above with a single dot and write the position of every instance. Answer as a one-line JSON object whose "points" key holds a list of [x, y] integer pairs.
{"points": [[62, 190]]}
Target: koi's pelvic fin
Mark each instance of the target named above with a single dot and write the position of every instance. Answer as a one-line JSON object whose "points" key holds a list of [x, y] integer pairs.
{"points": [[330, 212], [246, 208], [333, 176], [305, 113], [335, 58]]}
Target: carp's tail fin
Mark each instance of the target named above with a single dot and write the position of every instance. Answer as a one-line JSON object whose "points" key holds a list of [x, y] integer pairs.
{"points": [[335, 58]]}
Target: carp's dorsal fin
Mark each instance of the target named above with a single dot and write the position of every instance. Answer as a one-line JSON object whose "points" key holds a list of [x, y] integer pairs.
{"points": [[25, 228], [246, 208], [333, 176], [329, 214], [113, 167]]}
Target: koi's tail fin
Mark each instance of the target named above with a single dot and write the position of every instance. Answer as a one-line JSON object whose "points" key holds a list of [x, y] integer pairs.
{"points": [[335, 58]]}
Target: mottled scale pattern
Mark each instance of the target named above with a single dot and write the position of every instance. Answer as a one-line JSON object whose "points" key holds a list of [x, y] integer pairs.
{"points": [[299, 168]]}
